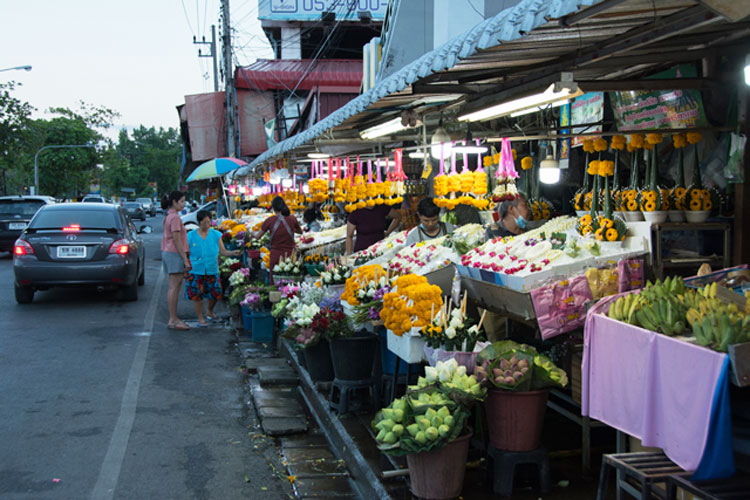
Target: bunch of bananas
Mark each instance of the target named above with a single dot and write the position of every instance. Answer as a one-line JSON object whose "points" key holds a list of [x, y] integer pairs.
{"points": [[717, 324], [660, 306]]}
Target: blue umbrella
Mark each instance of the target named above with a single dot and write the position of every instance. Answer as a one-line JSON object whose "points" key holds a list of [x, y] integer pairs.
{"points": [[215, 168]]}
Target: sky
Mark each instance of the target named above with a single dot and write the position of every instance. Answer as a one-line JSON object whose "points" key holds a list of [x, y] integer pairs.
{"points": [[136, 57]]}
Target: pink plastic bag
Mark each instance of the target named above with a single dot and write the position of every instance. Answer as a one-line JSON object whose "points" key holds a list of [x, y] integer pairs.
{"points": [[561, 307], [630, 275]]}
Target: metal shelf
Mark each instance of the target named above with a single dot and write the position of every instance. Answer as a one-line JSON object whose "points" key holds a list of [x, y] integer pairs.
{"points": [[660, 263]]}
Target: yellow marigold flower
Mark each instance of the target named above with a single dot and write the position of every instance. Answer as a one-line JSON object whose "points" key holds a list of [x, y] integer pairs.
{"points": [[586, 220], [649, 206], [694, 137], [637, 140], [707, 205], [679, 140], [632, 205], [588, 146], [654, 138], [679, 192], [526, 162], [487, 161], [695, 194], [649, 146], [695, 204], [585, 230], [600, 144], [618, 142], [611, 234], [593, 167]]}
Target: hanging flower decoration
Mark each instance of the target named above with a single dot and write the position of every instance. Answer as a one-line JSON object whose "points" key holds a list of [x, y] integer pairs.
{"points": [[694, 137], [600, 144], [605, 168], [588, 146], [636, 142], [526, 162], [318, 190], [654, 138], [679, 140], [618, 142]]}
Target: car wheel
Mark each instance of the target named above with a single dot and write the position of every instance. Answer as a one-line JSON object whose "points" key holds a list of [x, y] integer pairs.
{"points": [[142, 277], [129, 293], [24, 294]]}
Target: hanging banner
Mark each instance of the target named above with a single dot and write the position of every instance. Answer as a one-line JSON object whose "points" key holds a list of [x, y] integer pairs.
{"points": [[638, 110], [588, 108], [564, 143]]}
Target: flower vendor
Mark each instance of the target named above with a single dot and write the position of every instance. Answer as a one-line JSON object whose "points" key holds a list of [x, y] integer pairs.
{"points": [[311, 216], [370, 225], [513, 214], [282, 226], [429, 226]]}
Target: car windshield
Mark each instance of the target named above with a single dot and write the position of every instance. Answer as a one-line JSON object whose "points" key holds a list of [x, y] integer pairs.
{"points": [[19, 208], [88, 219], [93, 200], [143, 200], [132, 205]]}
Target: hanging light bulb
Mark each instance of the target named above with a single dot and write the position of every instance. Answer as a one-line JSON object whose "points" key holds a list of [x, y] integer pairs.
{"points": [[549, 168], [440, 140]]}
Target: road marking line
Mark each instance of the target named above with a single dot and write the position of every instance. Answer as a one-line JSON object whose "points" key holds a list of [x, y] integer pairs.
{"points": [[110, 471]]}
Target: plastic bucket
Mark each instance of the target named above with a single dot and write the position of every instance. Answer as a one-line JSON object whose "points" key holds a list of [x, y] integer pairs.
{"points": [[387, 358], [318, 361], [247, 318], [353, 357], [515, 419], [262, 326], [439, 474]]}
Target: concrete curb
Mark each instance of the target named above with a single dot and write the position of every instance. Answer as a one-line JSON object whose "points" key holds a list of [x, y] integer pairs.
{"points": [[365, 481]]}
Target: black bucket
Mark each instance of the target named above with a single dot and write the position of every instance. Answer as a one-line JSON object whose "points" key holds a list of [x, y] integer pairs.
{"points": [[318, 362], [353, 357]]}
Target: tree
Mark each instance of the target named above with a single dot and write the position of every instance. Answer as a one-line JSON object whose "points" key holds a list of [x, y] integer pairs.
{"points": [[14, 120], [157, 151]]}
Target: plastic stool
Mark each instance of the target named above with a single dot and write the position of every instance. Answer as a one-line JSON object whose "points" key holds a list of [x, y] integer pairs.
{"points": [[347, 395], [502, 468]]}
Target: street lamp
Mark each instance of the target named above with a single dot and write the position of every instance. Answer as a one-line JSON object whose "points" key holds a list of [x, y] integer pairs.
{"points": [[60, 146], [25, 68]]}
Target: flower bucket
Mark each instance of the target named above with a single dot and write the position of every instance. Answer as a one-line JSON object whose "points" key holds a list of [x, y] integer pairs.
{"points": [[439, 474], [318, 361], [353, 357], [261, 326], [247, 319], [515, 419], [677, 216], [655, 217], [697, 216], [634, 216], [409, 346], [387, 358]]}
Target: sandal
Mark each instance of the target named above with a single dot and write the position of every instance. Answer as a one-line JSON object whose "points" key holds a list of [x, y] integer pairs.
{"points": [[178, 326]]}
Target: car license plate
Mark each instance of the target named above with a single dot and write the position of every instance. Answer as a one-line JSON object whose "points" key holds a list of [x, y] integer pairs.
{"points": [[17, 225], [71, 252]]}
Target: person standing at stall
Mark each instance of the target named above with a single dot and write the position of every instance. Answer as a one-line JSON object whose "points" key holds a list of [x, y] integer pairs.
{"points": [[202, 282], [282, 226], [369, 225], [429, 226], [174, 254]]}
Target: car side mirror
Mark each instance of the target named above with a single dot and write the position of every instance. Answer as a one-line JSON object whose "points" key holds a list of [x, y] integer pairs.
{"points": [[145, 229]]}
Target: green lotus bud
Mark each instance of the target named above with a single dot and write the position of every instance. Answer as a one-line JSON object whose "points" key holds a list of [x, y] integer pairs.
{"points": [[424, 423], [390, 438], [443, 412], [387, 424], [398, 415], [448, 421], [413, 429], [430, 433], [443, 430], [436, 421], [397, 430], [381, 435], [387, 413], [420, 437], [430, 413]]}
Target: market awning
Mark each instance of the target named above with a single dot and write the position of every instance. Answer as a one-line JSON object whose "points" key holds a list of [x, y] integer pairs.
{"points": [[606, 44], [330, 75]]}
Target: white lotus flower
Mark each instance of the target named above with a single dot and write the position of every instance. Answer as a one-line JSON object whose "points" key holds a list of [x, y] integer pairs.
{"points": [[370, 293], [430, 373], [382, 281], [461, 371], [277, 268], [474, 329], [456, 323], [450, 332], [337, 276]]}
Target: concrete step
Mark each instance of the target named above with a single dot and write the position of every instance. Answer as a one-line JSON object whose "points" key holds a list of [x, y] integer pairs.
{"points": [[274, 376]]}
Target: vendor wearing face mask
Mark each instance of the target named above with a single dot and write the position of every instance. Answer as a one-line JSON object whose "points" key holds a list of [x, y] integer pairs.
{"points": [[429, 226], [512, 220]]}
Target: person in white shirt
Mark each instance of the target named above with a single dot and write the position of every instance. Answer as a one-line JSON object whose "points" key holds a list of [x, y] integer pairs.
{"points": [[429, 226]]}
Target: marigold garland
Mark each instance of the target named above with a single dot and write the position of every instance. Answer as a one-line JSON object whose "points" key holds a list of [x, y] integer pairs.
{"points": [[410, 303], [526, 162], [694, 137], [359, 278]]}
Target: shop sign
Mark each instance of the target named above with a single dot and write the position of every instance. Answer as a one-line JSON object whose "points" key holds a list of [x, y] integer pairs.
{"points": [[311, 10], [564, 149], [588, 108], [639, 110]]}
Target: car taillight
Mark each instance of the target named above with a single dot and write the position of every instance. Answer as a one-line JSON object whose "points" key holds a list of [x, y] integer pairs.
{"points": [[71, 228], [120, 247], [22, 247]]}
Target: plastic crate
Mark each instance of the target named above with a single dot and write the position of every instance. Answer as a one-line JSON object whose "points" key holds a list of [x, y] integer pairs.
{"points": [[247, 318], [701, 281], [387, 358]]}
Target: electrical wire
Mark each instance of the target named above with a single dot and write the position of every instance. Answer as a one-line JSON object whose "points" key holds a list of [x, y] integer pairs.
{"points": [[186, 17]]}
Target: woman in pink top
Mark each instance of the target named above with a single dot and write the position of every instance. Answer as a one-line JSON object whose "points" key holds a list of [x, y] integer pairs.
{"points": [[174, 254]]}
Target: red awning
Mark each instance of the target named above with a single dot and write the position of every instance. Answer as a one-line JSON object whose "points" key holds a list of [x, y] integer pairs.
{"points": [[331, 75]]}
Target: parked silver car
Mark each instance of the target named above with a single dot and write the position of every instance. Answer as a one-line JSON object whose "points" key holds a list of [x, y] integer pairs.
{"points": [[148, 205], [75, 244]]}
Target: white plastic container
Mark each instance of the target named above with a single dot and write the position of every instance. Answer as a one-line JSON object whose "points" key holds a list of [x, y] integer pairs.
{"points": [[409, 346]]}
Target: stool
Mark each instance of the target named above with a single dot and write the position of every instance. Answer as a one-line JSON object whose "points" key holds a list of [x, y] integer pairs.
{"points": [[503, 463], [733, 488], [347, 395], [645, 468]]}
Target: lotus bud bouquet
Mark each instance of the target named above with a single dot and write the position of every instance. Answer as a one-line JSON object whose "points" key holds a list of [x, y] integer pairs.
{"points": [[335, 275], [289, 266], [510, 366], [451, 330], [465, 238], [370, 297], [359, 282], [431, 414]]}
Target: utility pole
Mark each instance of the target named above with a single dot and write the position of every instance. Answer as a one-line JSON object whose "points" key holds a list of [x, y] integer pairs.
{"points": [[228, 78], [213, 54]]}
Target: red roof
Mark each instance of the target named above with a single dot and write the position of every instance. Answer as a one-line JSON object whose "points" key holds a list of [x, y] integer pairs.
{"points": [[331, 75]]}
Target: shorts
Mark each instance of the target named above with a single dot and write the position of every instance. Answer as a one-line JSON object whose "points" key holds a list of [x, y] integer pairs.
{"points": [[202, 286], [172, 262]]}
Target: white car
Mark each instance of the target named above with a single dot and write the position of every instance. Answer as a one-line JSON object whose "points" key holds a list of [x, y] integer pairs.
{"points": [[190, 219], [148, 205]]}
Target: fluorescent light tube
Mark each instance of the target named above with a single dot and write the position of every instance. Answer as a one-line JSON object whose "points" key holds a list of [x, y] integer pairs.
{"points": [[531, 101], [386, 128], [528, 111]]}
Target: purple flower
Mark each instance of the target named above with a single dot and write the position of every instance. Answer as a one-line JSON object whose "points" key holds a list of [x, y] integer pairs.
{"points": [[332, 303], [373, 314], [240, 236], [380, 293]]}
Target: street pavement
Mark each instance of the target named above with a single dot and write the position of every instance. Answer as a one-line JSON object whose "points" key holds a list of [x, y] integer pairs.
{"points": [[100, 400]]}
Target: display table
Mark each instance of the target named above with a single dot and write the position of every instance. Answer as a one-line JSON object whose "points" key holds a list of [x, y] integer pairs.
{"points": [[667, 392]]}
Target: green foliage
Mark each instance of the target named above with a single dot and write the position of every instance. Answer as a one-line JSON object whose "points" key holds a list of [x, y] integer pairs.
{"points": [[14, 120], [155, 154]]}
